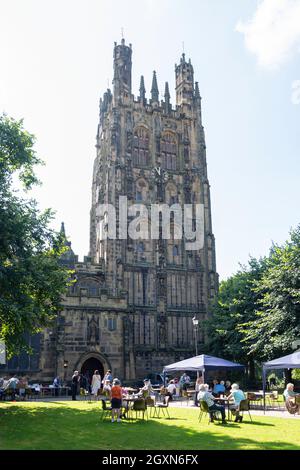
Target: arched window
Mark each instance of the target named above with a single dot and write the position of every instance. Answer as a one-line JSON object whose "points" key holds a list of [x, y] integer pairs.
{"points": [[175, 250], [168, 148], [141, 147]]}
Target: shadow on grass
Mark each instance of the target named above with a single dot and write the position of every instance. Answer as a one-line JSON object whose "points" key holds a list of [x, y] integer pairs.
{"points": [[57, 425]]}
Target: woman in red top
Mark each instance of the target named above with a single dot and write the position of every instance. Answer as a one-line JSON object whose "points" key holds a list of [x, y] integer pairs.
{"points": [[116, 400]]}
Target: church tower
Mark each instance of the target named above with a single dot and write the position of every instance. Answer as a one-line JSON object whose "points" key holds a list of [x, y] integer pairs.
{"points": [[152, 153], [132, 300]]}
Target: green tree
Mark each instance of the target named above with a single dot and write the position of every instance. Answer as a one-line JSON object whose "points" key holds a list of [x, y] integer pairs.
{"points": [[276, 323], [235, 305], [32, 280]]}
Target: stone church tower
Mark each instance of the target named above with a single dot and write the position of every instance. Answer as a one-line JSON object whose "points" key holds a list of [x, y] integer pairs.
{"points": [[153, 153], [132, 306]]}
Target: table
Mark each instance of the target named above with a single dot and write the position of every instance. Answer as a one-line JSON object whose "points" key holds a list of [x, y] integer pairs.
{"points": [[225, 402], [128, 400]]}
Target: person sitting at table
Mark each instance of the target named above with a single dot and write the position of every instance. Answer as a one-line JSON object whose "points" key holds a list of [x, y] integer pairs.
{"points": [[227, 387], [147, 389], [289, 396], [171, 389], [219, 388], [206, 396], [184, 381], [237, 396], [116, 400]]}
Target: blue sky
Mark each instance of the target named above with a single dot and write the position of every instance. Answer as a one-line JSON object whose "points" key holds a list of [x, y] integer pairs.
{"points": [[56, 59]]}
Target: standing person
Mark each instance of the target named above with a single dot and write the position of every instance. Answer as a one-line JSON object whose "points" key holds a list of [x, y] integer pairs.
{"points": [[237, 395], [116, 400], [171, 389], [106, 388], [206, 396], [96, 383], [56, 385], [107, 376], [74, 387], [199, 382]]}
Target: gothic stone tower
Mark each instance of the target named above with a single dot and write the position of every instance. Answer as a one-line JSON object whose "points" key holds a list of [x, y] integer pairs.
{"points": [[132, 305], [152, 154]]}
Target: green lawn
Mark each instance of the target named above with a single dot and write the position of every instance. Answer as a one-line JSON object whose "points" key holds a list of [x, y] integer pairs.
{"points": [[77, 425]]}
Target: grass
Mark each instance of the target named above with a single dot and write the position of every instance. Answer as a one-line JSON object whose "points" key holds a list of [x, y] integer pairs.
{"points": [[77, 425]]}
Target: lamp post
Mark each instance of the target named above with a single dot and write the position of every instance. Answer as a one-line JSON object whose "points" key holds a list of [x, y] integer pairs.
{"points": [[66, 364], [196, 326]]}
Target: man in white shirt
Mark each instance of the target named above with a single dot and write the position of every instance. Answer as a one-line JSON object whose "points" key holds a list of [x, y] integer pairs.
{"points": [[206, 396], [171, 389]]}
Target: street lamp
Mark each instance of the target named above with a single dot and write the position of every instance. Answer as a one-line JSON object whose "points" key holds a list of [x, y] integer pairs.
{"points": [[66, 364], [196, 326]]}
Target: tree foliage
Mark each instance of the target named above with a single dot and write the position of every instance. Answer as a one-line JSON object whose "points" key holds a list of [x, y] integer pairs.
{"points": [[32, 280], [235, 305], [276, 323], [257, 312]]}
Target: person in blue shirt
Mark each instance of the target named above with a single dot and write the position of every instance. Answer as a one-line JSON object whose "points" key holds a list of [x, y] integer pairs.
{"points": [[219, 388], [237, 396]]}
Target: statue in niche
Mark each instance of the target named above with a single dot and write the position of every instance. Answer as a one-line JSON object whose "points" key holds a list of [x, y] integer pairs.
{"points": [[93, 331], [162, 334]]}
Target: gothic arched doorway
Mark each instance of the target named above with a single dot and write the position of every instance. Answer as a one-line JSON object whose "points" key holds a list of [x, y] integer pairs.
{"points": [[90, 365]]}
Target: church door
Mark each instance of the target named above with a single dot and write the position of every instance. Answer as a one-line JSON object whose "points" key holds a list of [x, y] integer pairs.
{"points": [[90, 365]]}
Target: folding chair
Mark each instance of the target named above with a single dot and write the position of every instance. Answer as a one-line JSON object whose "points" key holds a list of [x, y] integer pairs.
{"points": [[106, 410], [150, 403], [162, 407], [205, 410], [244, 406], [139, 406]]}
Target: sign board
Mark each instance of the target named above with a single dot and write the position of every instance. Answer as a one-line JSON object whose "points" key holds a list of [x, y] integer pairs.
{"points": [[2, 353]]}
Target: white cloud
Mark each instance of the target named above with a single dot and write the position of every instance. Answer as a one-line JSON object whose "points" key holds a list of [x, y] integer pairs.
{"points": [[273, 33]]}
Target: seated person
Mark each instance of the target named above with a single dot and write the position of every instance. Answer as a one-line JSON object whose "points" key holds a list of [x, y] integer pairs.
{"points": [[289, 396], [206, 396], [171, 389], [237, 396], [146, 390], [227, 387], [219, 388], [184, 381]]}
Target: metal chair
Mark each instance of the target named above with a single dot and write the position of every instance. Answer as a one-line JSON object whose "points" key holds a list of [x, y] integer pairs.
{"points": [[162, 407], [106, 410], [150, 403], [139, 406], [205, 410], [253, 399], [244, 406]]}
